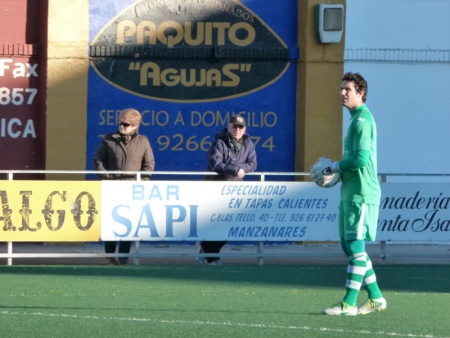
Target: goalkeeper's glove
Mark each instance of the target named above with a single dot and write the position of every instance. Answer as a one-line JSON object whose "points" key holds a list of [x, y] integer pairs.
{"points": [[334, 167], [324, 166]]}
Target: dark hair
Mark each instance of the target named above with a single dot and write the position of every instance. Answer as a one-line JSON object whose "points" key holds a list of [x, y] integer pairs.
{"points": [[359, 82]]}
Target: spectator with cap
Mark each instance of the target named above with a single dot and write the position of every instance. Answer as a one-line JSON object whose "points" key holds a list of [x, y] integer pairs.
{"points": [[232, 155]]}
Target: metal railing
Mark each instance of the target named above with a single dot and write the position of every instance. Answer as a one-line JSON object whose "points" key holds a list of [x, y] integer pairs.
{"points": [[136, 255], [12, 174], [263, 175]]}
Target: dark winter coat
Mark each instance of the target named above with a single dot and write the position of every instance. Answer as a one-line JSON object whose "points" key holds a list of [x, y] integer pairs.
{"points": [[114, 154], [226, 162]]}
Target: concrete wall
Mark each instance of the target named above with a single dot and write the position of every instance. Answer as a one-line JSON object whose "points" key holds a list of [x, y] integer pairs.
{"points": [[319, 72], [402, 47], [67, 84], [402, 50], [318, 104]]}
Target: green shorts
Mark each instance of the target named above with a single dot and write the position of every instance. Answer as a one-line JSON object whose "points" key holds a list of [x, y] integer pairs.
{"points": [[358, 221]]}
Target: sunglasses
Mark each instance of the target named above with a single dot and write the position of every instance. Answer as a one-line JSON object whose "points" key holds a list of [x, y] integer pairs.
{"points": [[237, 126], [124, 124]]}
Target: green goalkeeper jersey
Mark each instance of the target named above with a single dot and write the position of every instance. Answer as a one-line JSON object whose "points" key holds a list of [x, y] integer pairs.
{"points": [[359, 161]]}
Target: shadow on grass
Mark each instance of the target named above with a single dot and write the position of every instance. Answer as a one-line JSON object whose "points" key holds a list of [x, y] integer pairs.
{"points": [[414, 278]]}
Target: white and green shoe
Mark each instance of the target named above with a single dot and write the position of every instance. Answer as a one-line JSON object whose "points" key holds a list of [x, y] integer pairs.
{"points": [[372, 305], [341, 309]]}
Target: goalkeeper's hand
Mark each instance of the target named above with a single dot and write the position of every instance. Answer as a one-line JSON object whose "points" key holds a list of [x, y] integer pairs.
{"points": [[324, 166], [334, 167]]}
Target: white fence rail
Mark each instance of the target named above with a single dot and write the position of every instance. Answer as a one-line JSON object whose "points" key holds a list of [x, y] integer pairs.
{"points": [[260, 254]]}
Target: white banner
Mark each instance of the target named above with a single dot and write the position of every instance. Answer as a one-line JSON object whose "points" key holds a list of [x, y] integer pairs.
{"points": [[414, 212], [232, 211], [263, 211]]}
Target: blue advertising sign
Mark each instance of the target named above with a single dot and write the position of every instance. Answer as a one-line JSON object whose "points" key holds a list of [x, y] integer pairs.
{"points": [[188, 67]]}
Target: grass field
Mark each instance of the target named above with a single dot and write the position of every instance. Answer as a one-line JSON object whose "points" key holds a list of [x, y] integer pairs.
{"points": [[215, 301]]}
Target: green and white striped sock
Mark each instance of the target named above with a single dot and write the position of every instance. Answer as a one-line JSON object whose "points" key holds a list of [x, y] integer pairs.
{"points": [[356, 270], [370, 281]]}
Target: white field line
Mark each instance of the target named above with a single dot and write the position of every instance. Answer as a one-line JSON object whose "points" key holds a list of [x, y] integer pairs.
{"points": [[226, 323]]}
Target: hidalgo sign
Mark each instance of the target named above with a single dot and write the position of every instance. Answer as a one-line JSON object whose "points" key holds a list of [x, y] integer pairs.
{"points": [[188, 50], [50, 211]]}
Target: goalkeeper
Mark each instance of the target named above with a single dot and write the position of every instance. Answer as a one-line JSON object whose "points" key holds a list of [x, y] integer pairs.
{"points": [[360, 200]]}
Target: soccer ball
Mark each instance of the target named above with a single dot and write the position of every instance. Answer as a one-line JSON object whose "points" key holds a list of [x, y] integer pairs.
{"points": [[321, 174]]}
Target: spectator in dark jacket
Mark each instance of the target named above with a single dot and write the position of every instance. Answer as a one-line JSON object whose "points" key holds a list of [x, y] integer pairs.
{"points": [[231, 156], [124, 150]]}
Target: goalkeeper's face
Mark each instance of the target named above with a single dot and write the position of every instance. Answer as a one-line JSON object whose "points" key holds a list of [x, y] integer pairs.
{"points": [[350, 98]]}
